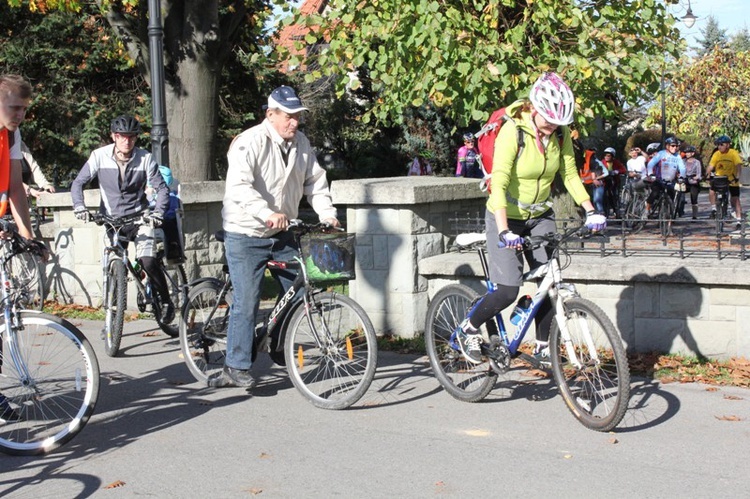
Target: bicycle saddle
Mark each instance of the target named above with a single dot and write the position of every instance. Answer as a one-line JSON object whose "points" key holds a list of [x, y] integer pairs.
{"points": [[470, 238]]}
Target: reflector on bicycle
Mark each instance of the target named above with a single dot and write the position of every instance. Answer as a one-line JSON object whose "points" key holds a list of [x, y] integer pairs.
{"points": [[328, 257]]}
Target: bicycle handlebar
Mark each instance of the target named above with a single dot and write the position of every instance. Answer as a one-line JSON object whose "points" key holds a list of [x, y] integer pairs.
{"points": [[116, 222], [297, 225]]}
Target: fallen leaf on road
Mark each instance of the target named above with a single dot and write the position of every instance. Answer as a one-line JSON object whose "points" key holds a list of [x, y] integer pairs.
{"points": [[264, 455], [614, 441], [728, 418], [568, 456], [712, 389], [115, 484], [255, 491], [732, 397], [150, 333], [477, 433]]}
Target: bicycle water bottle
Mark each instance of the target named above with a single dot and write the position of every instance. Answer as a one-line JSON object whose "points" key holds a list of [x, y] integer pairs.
{"points": [[521, 310]]}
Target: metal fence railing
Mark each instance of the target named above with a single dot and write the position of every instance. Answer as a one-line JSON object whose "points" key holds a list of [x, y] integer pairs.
{"points": [[689, 238]]}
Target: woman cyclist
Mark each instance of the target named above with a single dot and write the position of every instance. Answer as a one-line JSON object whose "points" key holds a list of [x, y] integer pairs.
{"points": [[519, 204]]}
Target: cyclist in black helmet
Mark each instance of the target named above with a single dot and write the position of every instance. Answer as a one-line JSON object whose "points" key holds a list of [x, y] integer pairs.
{"points": [[123, 171]]}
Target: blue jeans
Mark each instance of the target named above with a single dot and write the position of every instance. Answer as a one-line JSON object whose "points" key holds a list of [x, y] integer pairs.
{"points": [[247, 257], [597, 194]]}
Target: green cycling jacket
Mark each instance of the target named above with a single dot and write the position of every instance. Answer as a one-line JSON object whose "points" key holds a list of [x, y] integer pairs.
{"points": [[522, 185]]}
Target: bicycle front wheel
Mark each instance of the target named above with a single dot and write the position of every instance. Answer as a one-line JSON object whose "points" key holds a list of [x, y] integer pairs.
{"points": [[176, 278], [114, 311], [331, 351], [52, 386], [666, 210], [589, 365], [203, 329], [462, 379], [27, 274]]}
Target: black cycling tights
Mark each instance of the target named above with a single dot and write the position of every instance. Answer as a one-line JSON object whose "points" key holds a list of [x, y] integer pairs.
{"points": [[152, 268], [493, 303]]}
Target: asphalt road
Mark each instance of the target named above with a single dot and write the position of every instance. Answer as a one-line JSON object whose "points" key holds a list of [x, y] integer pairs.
{"points": [[158, 433]]}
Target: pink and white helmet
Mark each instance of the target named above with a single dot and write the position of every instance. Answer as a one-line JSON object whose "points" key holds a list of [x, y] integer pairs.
{"points": [[553, 99]]}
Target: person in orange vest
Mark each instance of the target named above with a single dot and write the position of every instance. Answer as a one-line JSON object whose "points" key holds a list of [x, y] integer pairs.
{"points": [[593, 172]]}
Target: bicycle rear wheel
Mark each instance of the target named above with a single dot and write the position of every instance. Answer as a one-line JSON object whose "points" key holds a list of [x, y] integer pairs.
{"points": [[176, 278], [590, 366], [203, 329], [27, 274], [55, 391], [114, 311], [460, 378], [331, 350]]}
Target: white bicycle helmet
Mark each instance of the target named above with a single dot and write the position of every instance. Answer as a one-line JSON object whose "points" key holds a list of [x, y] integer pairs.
{"points": [[553, 99], [610, 150]]}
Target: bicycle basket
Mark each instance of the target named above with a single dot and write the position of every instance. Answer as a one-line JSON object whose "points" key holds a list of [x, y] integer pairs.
{"points": [[328, 257]]}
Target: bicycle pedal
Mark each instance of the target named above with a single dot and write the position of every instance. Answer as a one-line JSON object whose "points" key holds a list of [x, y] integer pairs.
{"points": [[264, 344]]}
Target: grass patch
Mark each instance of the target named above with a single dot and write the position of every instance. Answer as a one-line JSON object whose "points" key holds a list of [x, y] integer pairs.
{"points": [[84, 312], [393, 343]]}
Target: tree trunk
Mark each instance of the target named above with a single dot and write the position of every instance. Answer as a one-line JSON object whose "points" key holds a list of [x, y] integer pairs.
{"points": [[192, 114]]}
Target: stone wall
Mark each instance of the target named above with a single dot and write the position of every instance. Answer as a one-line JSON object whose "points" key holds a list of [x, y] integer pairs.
{"points": [[75, 274], [398, 222], [403, 226]]}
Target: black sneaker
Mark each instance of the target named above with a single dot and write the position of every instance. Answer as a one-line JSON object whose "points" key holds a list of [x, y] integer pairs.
{"points": [[470, 344], [7, 413], [713, 215], [167, 312], [230, 376]]}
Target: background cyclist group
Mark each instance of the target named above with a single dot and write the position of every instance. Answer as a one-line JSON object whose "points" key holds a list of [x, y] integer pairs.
{"points": [[656, 170]]}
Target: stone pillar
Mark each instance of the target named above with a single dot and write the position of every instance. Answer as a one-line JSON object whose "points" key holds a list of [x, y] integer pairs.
{"points": [[399, 221]]}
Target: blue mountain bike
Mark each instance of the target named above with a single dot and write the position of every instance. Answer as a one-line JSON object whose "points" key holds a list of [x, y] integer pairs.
{"points": [[587, 356]]}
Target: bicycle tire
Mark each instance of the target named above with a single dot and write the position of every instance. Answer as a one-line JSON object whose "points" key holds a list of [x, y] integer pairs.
{"points": [[176, 278], [638, 214], [722, 205], [626, 198], [203, 343], [27, 274], [460, 378], [597, 392], [116, 301], [336, 374], [61, 394], [666, 209]]}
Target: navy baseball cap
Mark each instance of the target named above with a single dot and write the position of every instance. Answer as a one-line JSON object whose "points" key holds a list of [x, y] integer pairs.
{"points": [[286, 99]]}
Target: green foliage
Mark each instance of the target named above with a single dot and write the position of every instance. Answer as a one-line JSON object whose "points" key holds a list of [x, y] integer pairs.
{"points": [[713, 36], [468, 58], [711, 96], [81, 76], [740, 41]]}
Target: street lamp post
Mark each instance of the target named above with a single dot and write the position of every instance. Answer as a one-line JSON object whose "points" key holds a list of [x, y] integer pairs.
{"points": [[689, 21]]}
